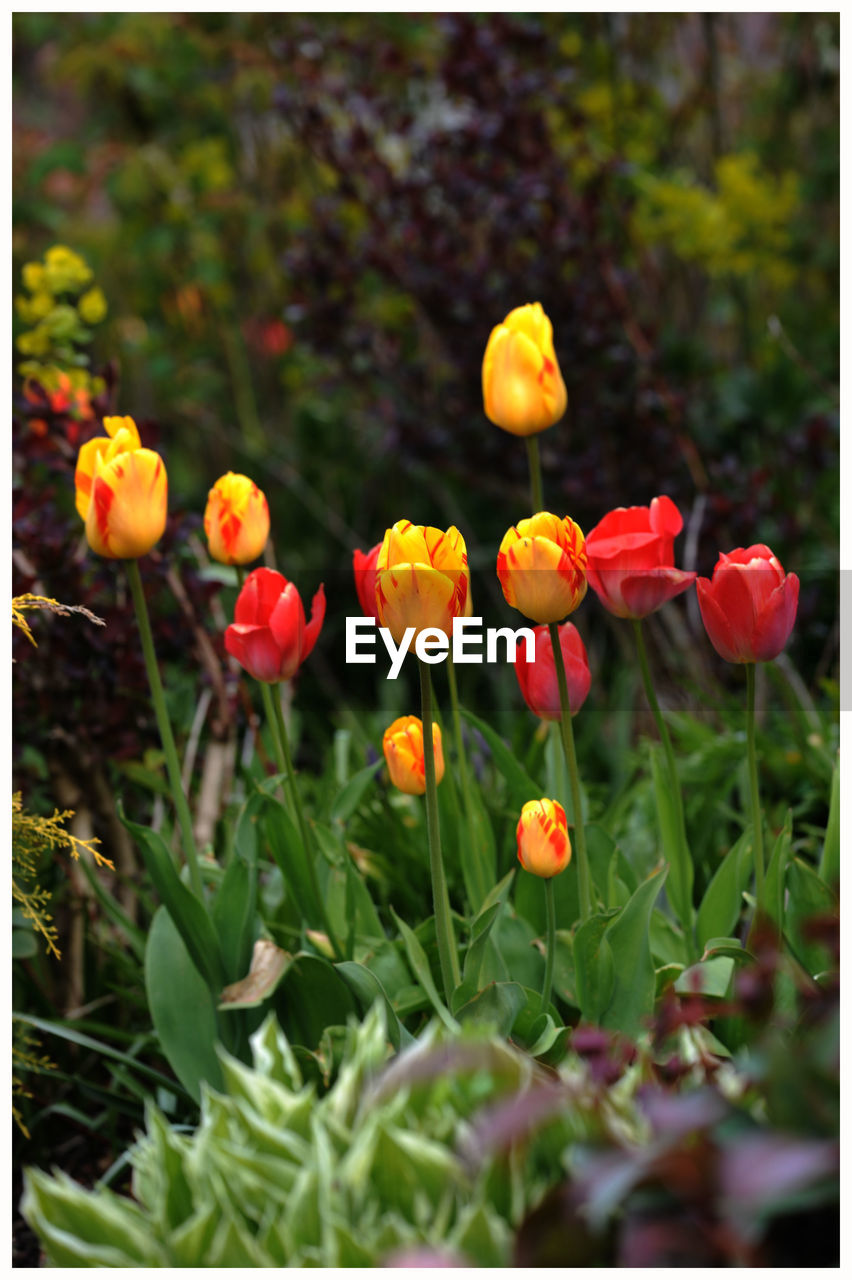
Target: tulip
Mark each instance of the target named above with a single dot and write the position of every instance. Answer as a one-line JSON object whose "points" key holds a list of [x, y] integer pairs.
{"points": [[422, 579], [236, 520], [268, 636], [403, 747], [543, 844], [521, 383], [538, 680], [749, 606], [364, 567], [121, 492], [542, 567], [631, 558]]}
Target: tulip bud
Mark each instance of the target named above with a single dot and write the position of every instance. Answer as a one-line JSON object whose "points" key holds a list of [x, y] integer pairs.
{"points": [[422, 579], [542, 567], [269, 636], [403, 747], [543, 844], [236, 520], [749, 606], [631, 558], [364, 568], [538, 679], [521, 383], [121, 492]]}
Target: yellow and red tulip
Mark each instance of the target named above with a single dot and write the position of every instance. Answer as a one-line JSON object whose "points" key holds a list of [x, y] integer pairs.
{"points": [[544, 847], [121, 492], [542, 567], [236, 520], [269, 636], [422, 579], [522, 386], [403, 747]]}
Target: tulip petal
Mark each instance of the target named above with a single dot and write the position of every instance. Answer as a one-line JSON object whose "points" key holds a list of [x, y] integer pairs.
{"points": [[414, 595], [716, 622], [129, 505], [259, 596], [646, 592], [256, 650], [664, 516], [775, 621], [312, 630]]}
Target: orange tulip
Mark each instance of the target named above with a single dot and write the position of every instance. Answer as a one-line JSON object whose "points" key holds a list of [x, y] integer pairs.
{"points": [[121, 492], [236, 520], [543, 844], [521, 383], [542, 567], [422, 579], [403, 747]]}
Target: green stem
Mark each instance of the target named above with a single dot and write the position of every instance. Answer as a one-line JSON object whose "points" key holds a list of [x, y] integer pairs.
{"points": [[550, 941], [756, 814], [584, 880], [307, 842], [685, 911], [536, 487], [269, 712], [158, 698], [464, 779], [449, 961]]}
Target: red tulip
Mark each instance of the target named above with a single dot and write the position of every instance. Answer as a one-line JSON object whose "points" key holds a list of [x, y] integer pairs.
{"points": [[631, 558], [749, 605], [269, 636], [364, 566], [538, 679]]}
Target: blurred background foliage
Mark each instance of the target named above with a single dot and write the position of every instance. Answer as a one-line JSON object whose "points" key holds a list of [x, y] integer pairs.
{"points": [[284, 240]]}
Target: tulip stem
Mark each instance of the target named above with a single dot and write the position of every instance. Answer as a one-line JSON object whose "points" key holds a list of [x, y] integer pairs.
{"points": [[684, 908], [475, 863], [304, 831], [536, 487], [756, 814], [269, 712], [448, 958], [584, 880], [550, 943], [163, 724]]}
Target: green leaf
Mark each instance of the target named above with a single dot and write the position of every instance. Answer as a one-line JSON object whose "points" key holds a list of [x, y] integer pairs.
{"points": [[189, 915], [722, 902], [829, 865], [291, 857], [311, 996], [674, 843], [521, 785], [593, 967], [498, 1004], [350, 796], [24, 944], [475, 954], [81, 1229], [182, 1007], [477, 849], [773, 885], [632, 997], [707, 978], [233, 915], [420, 966], [808, 896], [366, 988]]}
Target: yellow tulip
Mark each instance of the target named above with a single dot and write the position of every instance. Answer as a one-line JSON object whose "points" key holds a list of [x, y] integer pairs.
{"points": [[521, 383], [422, 579], [542, 567], [236, 520], [403, 747], [544, 847], [121, 492]]}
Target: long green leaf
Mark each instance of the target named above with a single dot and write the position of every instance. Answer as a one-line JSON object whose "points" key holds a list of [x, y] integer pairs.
{"points": [[634, 983], [722, 902], [366, 987], [292, 859], [189, 915], [776, 872], [594, 974], [420, 965], [521, 785], [182, 1007], [350, 796], [829, 865], [674, 845]]}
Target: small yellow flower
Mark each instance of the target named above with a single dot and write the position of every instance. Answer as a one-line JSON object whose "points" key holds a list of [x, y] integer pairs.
{"points": [[522, 386], [403, 748], [541, 565], [543, 844]]}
